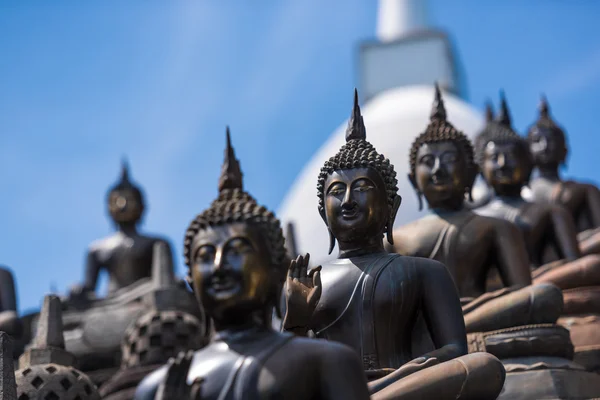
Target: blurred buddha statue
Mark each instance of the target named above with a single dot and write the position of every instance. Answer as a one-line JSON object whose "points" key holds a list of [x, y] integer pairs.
{"points": [[126, 255], [548, 144], [443, 170]]}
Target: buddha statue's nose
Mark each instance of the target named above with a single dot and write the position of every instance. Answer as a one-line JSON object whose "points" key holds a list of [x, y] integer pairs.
{"points": [[348, 202], [220, 260], [501, 160]]}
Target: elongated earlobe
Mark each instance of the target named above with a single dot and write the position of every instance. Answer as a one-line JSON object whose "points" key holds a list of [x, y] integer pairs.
{"points": [[390, 225], [413, 182], [331, 237]]}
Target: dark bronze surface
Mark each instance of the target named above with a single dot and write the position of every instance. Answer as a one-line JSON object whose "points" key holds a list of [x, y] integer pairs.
{"points": [[506, 165], [9, 320], [370, 300], [236, 255], [443, 170], [126, 255], [549, 148]]}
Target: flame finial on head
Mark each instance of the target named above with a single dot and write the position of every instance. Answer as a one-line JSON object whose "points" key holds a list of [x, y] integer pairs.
{"points": [[438, 110], [504, 114], [544, 107], [489, 112], [231, 174], [124, 170], [356, 126]]}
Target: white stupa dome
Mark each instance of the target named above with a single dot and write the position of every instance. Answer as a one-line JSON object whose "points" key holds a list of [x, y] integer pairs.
{"points": [[393, 119]]}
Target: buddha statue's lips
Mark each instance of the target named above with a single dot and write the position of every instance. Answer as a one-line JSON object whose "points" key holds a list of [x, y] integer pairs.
{"points": [[223, 283], [350, 213]]}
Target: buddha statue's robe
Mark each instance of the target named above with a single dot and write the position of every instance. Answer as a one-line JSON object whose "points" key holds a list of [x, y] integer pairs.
{"points": [[551, 240], [265, 364], [372, 303], [582, 200], [126, 258], [470, 245]]}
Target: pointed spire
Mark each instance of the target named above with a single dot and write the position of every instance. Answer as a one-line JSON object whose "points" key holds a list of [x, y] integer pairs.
{"points": [[231, 174], [489, 112], [8, 385], [438, 111], [503, 117], [124, 170], [356, 126], [162, 273], [50, 325], [544, 107], [290, 241]]}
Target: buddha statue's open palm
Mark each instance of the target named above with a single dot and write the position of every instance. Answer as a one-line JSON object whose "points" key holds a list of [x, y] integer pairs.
{"points": [[303, 291]]}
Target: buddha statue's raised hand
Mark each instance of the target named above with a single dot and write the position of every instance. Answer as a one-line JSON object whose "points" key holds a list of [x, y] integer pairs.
{"points": [[303, 291], [175, 385]]}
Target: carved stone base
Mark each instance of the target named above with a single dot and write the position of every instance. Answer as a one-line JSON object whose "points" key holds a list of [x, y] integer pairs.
{"points": [[534, 378], [585, 335], [524, 341]]}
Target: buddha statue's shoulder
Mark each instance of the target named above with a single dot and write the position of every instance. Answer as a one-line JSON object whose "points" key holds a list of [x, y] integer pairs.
{"points": [[409, 239], [105, 244]]}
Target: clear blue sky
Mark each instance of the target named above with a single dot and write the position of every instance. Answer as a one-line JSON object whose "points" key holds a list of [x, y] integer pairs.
{"points": [[82, 83]]}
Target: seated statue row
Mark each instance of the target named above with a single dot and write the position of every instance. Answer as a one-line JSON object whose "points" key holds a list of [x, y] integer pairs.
{"points": [[354, 298], [236, 255], [548, 144], [443, 169], [506, 164]]}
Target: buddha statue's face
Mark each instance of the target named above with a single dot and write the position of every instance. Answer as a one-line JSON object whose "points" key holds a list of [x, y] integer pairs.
{"points": [[355, 204], [441, 173], [125, 206], [547, 147], [505, 165], [231, 268]]}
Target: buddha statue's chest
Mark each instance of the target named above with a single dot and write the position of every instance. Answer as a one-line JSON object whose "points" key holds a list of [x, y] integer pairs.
{"points": [[356, 298], [234, 372], [126, 255]]}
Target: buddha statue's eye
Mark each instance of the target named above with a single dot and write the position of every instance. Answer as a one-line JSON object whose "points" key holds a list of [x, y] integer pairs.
{"points": [[336, 189], [205, 254], [427, 159], [363, 185], [449, 157], [238, 246]]}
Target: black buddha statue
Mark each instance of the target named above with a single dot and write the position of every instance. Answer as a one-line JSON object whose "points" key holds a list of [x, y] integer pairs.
{"points": [[9, 319], [443, 169], [369, 299], [236, 257], [506, 164], [548, 144], [126, 255]]}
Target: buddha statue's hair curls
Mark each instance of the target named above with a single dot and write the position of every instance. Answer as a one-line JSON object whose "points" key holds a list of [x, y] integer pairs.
{"points": [[500, 131], [235, 205], [358, 153], [440, 130], [545, 121]]}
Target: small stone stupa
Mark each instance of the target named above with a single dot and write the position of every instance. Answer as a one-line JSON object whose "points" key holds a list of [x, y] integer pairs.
{"points": [[8, 387], [46, 369], [165, 330]]}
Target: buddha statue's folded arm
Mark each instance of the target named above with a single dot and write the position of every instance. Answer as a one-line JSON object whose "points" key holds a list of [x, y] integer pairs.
{"points": [[442, 312], [511, 254], [341, 375], [92, 270], [443, 315], [593, 201], [565, 233]]}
